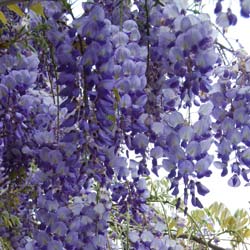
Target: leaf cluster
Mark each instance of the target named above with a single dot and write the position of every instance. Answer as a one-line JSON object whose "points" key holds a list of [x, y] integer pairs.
{"points": [[207, 227]]}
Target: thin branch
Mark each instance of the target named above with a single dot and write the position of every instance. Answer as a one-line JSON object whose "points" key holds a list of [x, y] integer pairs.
{"points": [[224, 47], [200, 241], [223, 35], [148, 34]]}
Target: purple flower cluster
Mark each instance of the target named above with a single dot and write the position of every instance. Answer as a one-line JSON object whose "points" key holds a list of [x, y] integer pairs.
{"points": [[182, 56], [90, 109], [231, 127]]}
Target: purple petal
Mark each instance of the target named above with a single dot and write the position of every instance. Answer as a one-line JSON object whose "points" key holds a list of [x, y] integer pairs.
{"points": [[234, 181], [201, 189]]}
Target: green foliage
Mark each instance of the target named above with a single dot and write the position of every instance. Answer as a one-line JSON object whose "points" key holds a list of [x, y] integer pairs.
{"points": [[38, 9], [4, 244], [3, 18], [12, 7], [15, 8], [236, 225], [201, 227], [8, 220]]}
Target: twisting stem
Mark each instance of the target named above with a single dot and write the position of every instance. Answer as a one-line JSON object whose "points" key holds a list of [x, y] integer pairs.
{"points": [[127, 230], [148, 34], [58, 111], [47, 67], [166, 220], [51, 86], [189, 115], [82, 82], [224, 47], [57, 92], [82, 47], [226, 39], [121, 14], [200, 241]]}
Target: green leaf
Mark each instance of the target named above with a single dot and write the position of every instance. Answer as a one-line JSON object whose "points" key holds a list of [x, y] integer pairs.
{"points": [[241, 223], [216, 208], [14, 221], [38, 9], [210, 227], [6, 219], [5, 244], [246, 233], [3, 18], [230, 222], [16, 9], [117, 95], [242, 219], [225, 223], [179, 232], [111, 118], [172, 224]]}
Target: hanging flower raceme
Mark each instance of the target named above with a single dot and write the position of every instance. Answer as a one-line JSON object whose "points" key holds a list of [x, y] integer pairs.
{"points": [[180, 58], [18, 76], [230, 97]]}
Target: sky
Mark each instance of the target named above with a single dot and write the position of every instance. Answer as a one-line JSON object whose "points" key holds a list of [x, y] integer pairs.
{"points": [[233, 198]]}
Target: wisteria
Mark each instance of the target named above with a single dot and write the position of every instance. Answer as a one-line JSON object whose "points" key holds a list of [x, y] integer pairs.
{"points": [[93, 107]]}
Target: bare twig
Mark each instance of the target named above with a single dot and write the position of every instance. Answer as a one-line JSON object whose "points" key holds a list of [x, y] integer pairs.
{"points": [[201, 241], [7, 2]]}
